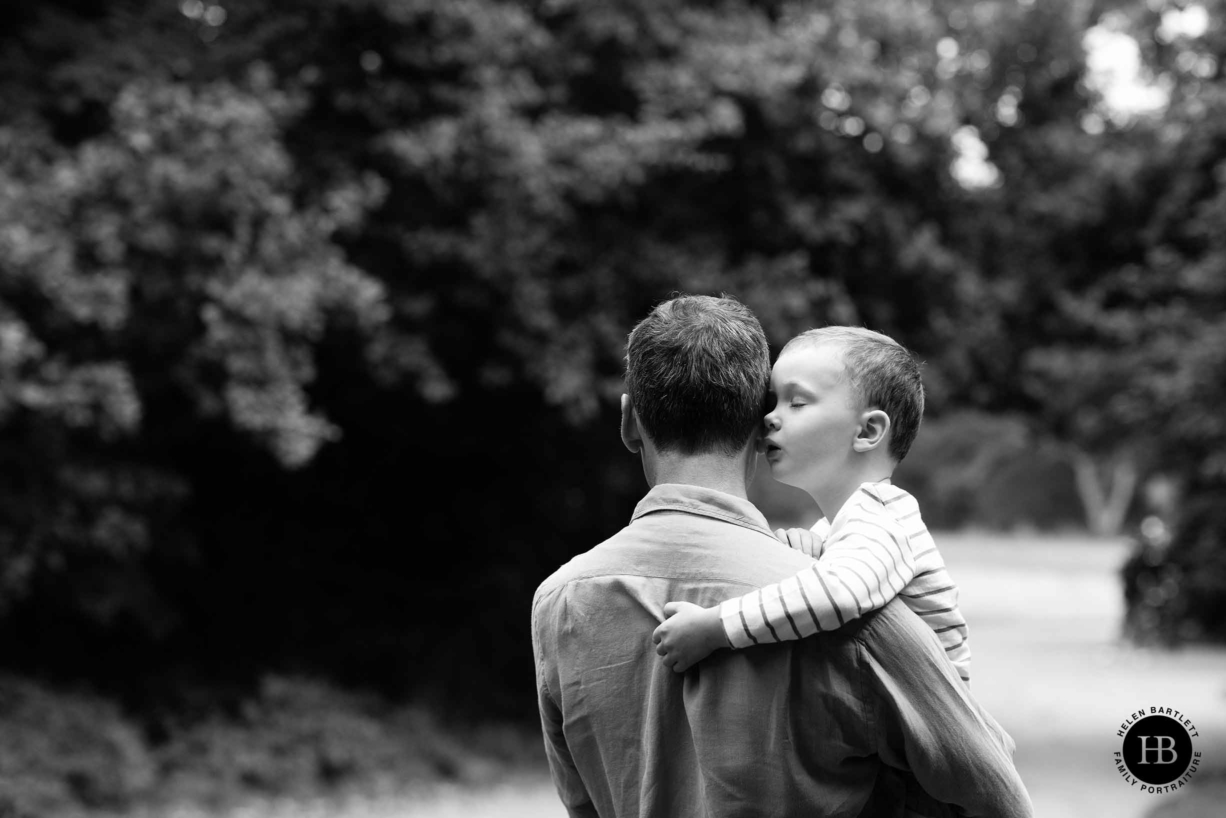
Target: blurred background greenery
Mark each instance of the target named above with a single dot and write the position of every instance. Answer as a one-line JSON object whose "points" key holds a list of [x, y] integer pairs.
{"points": [[312, 317]]}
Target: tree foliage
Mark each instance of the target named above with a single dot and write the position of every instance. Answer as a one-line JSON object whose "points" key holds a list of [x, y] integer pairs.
{"points": [[312, 319]]}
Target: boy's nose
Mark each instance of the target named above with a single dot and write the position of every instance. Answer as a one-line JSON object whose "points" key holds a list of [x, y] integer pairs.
{"points": [[772, 422]]}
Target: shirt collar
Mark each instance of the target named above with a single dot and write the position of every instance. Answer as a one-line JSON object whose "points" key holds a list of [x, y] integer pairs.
{"points": [[845, 510], [704, 502]]}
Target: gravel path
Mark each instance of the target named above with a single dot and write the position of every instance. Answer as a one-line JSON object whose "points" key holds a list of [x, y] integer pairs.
{"points": [[1048, 664]]}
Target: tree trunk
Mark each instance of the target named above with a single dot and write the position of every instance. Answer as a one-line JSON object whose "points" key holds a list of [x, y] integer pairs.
{"points": [[1106, 492]]}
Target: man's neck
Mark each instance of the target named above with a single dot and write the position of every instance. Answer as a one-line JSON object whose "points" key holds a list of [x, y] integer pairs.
{"points": [[712, 471]]}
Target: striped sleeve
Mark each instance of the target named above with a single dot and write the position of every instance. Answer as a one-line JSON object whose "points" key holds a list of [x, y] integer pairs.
{"points": [[864, 565]]}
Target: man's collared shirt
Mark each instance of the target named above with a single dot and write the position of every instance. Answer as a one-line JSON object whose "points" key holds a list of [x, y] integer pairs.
{"points": [[846, 723]]}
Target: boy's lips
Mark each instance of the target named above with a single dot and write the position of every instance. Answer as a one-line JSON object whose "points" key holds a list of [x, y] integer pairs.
{"points": [[772, 448]]}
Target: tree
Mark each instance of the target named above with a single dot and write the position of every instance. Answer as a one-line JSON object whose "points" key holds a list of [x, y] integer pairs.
{"points": [[161, 274], [1071, 243], [263, 267], [1177, 299]]}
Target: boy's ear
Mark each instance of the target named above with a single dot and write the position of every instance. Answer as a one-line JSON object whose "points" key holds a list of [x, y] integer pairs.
{"points": [[632, 437], [874, 429]]}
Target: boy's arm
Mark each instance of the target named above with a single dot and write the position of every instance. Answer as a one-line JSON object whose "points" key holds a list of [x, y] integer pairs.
{"points": [[863, 566], [692, 633]]}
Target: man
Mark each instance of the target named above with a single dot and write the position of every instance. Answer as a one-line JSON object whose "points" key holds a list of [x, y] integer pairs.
{"points": [[868, 720]]}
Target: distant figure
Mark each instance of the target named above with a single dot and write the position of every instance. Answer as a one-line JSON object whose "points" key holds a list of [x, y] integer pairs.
{"points": [[867, 720], [847, 406]]}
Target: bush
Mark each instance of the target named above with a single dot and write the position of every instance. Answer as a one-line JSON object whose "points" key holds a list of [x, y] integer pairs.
{"points": [[65, 753], [73, 754], [300, 738], [293, 737], [974, 469], [1175, 581]]}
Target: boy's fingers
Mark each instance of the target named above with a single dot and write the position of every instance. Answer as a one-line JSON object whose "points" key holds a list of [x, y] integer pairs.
{"points": [[800, 539], [781, 535], [671, 608]]}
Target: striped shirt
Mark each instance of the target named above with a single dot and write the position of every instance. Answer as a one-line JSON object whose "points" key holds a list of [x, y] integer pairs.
{"points": [[876, 548]]}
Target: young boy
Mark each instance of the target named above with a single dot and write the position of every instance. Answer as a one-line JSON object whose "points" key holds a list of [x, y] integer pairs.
{"points": [[848, 404]]}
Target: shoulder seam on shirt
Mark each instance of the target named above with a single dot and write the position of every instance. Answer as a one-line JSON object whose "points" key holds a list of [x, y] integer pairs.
{"points": [[712, 578], [736, 519]]}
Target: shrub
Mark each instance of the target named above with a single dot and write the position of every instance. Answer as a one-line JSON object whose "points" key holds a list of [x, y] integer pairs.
{"points": [[300, 738], [73, 754], [1175, 582], [64, 753]]}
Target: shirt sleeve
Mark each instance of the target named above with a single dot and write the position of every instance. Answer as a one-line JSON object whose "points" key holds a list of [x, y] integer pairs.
{"points": [[863, 566], [565, 774], [930, 726]]}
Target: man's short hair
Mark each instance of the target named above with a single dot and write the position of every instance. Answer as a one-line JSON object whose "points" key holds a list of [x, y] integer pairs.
{"points": [[697, 370], [884, 375]]}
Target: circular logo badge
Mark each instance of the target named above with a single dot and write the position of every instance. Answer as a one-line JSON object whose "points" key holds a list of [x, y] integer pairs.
{"points": [[1157, 750], [1157, 754]]}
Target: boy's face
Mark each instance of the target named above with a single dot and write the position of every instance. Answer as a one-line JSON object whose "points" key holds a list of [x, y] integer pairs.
{"points": [[816, 417]]}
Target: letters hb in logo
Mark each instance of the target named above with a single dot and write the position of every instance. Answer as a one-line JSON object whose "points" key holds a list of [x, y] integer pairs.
{"points": [[1165, 750], [1157, 749]]}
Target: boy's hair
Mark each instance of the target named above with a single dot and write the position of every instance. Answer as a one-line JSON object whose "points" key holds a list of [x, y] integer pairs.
{"points": [[697, 370], [884, 375]]}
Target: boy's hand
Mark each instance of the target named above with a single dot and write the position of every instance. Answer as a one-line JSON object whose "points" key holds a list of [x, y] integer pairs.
{"points": [[801, 539], [688, 635]]}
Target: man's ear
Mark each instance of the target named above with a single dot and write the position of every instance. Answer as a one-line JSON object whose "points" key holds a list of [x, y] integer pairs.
{"points": [[753, 454], [632, 437], [874, 429], [759, 440]]}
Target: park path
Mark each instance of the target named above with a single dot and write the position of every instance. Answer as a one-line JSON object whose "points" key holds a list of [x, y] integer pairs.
{"points": [[1048, 664]]}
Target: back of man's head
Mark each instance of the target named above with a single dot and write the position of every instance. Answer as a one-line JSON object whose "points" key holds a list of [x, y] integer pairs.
{"points": [[697, 370]]}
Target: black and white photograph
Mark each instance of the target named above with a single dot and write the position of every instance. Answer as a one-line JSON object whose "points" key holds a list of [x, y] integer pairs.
{"points": [[613, 409]]}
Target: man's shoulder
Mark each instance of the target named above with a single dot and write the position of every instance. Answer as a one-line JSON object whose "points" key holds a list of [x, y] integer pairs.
{"points": [[600, 560], [574, 568], [738, 555]]}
